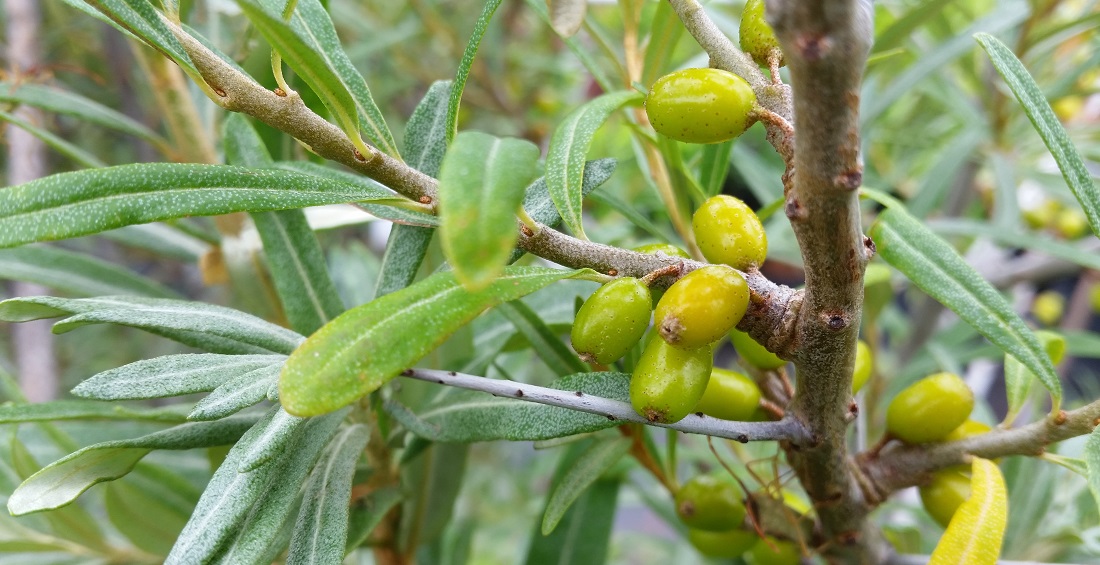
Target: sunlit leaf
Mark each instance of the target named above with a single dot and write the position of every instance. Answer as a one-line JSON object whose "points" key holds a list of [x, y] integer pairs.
{"points": [[464, 65], [977, 529], [593, 462], [75, 273]]}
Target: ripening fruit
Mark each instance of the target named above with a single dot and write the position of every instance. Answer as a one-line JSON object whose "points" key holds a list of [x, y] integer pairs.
{"points": [[1049, 307], [709, 503], [612, 320], [667, 249], [729, 396], [754, 354], [1071, 223], [785, 553], [700, 105], [722, 545], [967, 429], [1094, 298], [729, 232], [702, 307], [943, 495], [864, 363], [757, 37], [668, 381], [1041, 214], [929, 409]]}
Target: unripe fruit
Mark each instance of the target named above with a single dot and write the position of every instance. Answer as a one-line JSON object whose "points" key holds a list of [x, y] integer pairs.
{"points": [[754, 354], [729, 396], [1071, 223], [722, 545], [668, 381], [665, 248], [929, 409], [1054, 344], [700, 105], [702, 307], [967, 429], [943, 495], [1048, 307], [757, 37], [612, 320], [729, 232], [785, 553], [864, 363], [709, 503]]}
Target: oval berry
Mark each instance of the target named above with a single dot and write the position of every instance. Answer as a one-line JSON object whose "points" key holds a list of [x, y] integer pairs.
{"points": [[722, 545], [702, 307], [929, 409], [709, 503], [666, 249], [862, 371], [729, 396], [700, 105], [729, 232], [612, 320], [967, 429], [753, 354], [943, 495], [784, 553], [668, 381], [757, 37]]}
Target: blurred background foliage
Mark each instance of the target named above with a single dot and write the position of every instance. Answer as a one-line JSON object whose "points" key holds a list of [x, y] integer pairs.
{"points": [[941, 132]]}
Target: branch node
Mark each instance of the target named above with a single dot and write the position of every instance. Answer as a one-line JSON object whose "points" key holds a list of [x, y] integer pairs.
{"points": [[869, 248], [836, 320], [794, 210], [1060, 418], [423, 199], [359, 156], [279, 92], [813, 46], [851, 179], [219, 91]]}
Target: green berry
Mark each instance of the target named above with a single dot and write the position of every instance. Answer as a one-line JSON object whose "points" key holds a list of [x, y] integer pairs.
{"points": [[722, 545], [757, 37], [729, 396], [709, 503], [612, 320], [863, 367], [729, 232], [943, 495], [700, 105], [785, 553], [666, 249], [753, 354], [702, 307], [668, 381], [929, 409]]}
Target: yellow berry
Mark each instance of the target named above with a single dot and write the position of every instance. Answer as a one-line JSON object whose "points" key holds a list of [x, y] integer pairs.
{"points": [[1048, 307], [729, 396], [702, 307], [729, 232], [929, 409], [864, 364], [612, 320], [700, 105], [943, 495], [757, 37]]}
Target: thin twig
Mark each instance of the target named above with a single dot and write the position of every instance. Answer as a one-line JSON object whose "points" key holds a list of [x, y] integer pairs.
{"points": [[786, 430]]}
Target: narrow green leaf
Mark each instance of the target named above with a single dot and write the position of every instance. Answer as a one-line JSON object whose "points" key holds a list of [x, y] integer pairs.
{"points": [[172, 375], [85, 410], [584, 533], [59, 483], [1078, 466], [394, 214], [665, 33], [277, 435], [1015, 238], [164, 240], [938, 270], [547, 344], [140, 18], [321, 531], [631, 214], [72, 151], [566, 16], [144, 511], [1092, 462], [432, 480], [568, 148], [1047, 125], [470, 416], [58, 101], [426, 132], [369, 345], [236, 394], [239, 513], [1018, 379], [714, 167], [977, 529], [75, 273], [902, 29], [592, 463], [583, 50], [367, 513], [83, 202], [464, 65], [481, 186], [405, 251], [215, 328]]}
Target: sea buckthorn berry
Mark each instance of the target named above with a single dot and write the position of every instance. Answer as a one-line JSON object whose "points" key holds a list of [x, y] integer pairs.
{"points": [[1049, 307], [668, 382], [722, 545], [1053, 343], [943, 495], [703, 306], [864, 363], [729, 396], [612, 320], [729, 232], [700, 105], [757, 37], [1071, 223], [929, 409], [665, 248], [709, 503], [754, 354], [785, 553]]}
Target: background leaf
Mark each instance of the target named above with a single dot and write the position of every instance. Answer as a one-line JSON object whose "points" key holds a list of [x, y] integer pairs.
{"points": [[172, 375], [75, 273], [566, 16], [369, 345], [596, 460], [974, 535], [464, 65], [481, 186]]}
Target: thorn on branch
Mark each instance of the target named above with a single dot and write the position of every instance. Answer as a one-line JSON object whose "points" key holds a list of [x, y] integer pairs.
{"points": [[869, 247]]}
